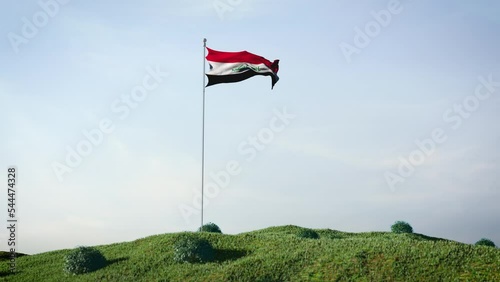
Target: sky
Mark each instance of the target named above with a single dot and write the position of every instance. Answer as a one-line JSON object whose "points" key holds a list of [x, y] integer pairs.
{"points": [[384, 111]]}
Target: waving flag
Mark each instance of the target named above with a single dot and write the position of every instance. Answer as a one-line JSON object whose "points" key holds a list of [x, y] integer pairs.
{"points": [[228, 67]]}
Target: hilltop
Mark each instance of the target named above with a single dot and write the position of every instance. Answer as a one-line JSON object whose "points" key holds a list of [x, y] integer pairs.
{"points": [[278, 254]]}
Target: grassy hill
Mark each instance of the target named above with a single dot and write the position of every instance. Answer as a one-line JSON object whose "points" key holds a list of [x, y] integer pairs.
{"points": [[277, 254]]}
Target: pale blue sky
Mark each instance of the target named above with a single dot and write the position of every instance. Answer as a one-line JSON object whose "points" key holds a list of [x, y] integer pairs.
{"points": [[325, 170]]}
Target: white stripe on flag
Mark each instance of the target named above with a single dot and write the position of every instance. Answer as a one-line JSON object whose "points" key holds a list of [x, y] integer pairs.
{"points": [[236, 68]]}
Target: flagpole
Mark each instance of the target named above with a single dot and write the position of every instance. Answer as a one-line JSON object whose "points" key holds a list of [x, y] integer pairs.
{"points": [[203, 134]]}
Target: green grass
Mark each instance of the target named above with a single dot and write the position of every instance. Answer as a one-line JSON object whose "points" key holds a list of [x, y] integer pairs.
{"points": [[277, 254]]}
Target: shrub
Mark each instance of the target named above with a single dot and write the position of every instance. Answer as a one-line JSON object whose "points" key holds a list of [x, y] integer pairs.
{"points": [[210, 227], [485, 242], [401, 227], [83, 260], [189, 248], [308, 233]]}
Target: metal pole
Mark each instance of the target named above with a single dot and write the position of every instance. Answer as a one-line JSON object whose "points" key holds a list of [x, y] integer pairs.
{"points": [[203, 133]]}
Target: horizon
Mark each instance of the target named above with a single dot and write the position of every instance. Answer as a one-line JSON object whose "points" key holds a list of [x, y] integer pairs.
{"points": [[256, 230], [384, 111]]}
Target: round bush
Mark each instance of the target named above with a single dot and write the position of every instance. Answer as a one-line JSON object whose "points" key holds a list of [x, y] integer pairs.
{"points": [[401, 227], [485, 242], [189, 248], [308, 233], [210, 227], [83, 260]]}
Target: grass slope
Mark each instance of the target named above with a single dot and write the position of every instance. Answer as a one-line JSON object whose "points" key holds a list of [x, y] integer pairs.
{"points": [[277, 254]]}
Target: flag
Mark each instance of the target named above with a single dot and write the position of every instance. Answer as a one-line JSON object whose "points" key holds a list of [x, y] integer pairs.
{"points": [[228, 67]]}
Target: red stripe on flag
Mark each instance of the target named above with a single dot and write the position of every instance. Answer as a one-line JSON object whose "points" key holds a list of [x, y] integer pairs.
{"points": [[238, 57]]}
